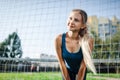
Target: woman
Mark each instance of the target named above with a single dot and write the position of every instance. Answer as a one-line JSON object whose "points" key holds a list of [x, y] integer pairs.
{"points": [[74, 47]]}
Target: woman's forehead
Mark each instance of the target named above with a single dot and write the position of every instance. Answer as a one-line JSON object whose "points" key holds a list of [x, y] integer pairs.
{"points": [[75, 14]]}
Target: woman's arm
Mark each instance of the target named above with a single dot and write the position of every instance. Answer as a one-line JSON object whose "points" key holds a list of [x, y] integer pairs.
{"points": [[58, 44], [82, 70]]}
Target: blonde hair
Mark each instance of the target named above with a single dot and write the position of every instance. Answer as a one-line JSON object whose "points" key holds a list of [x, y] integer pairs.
{"points": [[87, 53], [85, 41]]}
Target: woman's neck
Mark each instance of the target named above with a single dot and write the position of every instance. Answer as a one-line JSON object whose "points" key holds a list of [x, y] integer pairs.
{"points": [[73, 35]]}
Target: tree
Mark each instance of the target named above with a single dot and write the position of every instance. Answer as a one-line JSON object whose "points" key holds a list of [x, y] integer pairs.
{"points": [[110, 48], [116, 44], [11, 47]]}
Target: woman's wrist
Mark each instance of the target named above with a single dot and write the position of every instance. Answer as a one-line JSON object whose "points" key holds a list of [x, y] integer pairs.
{"points": [[67, 77]]}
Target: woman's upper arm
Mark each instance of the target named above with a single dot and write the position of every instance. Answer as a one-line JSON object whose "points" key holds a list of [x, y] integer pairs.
{"points": [[58, 43], [91, 43]]}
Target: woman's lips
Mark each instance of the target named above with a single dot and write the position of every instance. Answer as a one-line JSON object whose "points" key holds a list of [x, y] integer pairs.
{"points": [[71, 26]]}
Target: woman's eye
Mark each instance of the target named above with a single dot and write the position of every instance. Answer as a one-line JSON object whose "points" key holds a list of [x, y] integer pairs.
{"points": [[70, 18], [76, 20]]}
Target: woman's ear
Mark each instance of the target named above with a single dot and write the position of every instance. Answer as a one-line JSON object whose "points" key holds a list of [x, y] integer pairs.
{"points": [[83, 26]]}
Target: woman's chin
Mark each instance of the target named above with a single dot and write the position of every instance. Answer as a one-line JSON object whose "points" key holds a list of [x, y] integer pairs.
{"points": [[71, 29]]}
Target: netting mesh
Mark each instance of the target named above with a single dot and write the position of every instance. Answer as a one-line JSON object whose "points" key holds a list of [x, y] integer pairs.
{"points": [[37, 22]]}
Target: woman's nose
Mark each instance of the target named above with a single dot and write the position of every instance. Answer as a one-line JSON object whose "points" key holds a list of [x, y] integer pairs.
{"points": [[71, 22]]}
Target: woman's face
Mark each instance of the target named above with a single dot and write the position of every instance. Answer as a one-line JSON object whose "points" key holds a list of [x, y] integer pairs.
{"points": [[74, 22]]}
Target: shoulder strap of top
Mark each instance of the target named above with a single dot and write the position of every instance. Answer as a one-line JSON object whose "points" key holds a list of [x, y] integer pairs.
{"points": [[63, 40]]}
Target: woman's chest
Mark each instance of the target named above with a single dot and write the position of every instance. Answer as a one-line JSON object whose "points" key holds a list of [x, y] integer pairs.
{"points": [[72, 45]]}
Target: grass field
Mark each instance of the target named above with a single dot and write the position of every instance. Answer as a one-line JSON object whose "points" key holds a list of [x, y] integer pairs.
{"points": [[49, 76]]}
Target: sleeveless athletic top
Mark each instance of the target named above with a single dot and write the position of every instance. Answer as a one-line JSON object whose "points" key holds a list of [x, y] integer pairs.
{"points": [[72, 60]]}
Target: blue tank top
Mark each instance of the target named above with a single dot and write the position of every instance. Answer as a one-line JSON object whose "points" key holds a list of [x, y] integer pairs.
{"points": [[72, 60]]}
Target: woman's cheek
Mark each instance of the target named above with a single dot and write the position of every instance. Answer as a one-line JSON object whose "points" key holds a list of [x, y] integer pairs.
{"points": [[67, 22]]}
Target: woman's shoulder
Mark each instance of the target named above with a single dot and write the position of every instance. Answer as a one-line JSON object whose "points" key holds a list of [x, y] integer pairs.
{"points": [[90, 40], [89, 37], [58, 38]]}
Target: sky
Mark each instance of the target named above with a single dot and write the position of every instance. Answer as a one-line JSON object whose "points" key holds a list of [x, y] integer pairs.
{"points": [[38, 22]]}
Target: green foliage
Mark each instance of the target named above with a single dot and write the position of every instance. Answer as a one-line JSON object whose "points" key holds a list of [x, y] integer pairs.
{"points": [[11, 47], [116, 37], [110, 48]]}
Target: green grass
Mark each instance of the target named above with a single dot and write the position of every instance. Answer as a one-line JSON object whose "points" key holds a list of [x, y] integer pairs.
{"points": [[47, 76], [112, 75], [103, 75]]}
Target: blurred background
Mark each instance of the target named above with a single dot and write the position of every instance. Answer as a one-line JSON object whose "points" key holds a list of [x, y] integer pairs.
{"points": [[28, 29]]}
